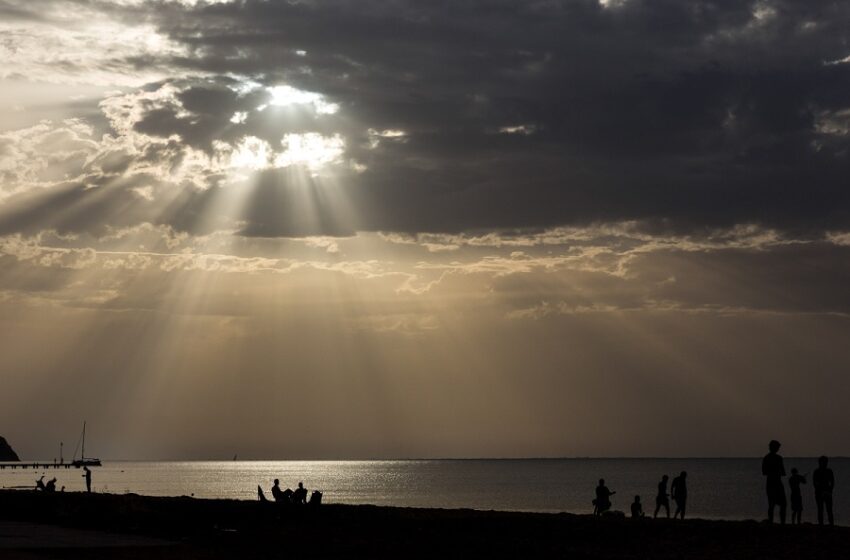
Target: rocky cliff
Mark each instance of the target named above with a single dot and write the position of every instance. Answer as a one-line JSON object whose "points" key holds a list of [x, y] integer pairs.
{"points": [[6, 451]]}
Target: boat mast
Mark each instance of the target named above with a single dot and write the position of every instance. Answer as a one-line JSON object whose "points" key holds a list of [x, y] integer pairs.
{"points": [[84, 440]]}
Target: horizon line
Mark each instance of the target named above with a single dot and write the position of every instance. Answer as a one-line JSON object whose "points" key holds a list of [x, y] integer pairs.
{"points": [[402, 459]]}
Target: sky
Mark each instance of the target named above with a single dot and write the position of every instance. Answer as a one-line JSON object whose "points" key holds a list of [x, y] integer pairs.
{"points": [[459, 228]]}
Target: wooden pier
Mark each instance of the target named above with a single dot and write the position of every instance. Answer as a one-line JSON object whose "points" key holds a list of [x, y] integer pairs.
{"points": [[35, 465]]}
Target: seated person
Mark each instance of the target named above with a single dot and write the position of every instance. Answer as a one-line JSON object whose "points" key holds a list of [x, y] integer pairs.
{"points": [[315, 499], [637, 508], [277, 494], [300, 494]]}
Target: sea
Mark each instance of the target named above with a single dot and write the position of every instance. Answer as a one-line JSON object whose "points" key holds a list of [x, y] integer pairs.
{"points": [[717, 488]]}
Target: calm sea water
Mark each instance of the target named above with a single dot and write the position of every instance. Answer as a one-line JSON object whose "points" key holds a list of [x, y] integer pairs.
{"points": [[717, 488]]}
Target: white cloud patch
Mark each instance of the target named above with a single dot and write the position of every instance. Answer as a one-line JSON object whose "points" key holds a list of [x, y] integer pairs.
{"points": [[285, 95], [80, 43]]}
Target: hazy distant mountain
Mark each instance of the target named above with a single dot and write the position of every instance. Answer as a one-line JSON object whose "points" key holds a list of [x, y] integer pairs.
{"points": [[6, 451]]}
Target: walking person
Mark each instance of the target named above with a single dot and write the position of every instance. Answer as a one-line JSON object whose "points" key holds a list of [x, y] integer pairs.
{"points": [[824, 481], [661, 500], [794, 482], [773, 468], [679, 490], [87, 476]]}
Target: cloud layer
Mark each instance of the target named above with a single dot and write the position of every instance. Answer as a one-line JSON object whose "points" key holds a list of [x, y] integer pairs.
{"points": [[478, 115], [484, 219]]}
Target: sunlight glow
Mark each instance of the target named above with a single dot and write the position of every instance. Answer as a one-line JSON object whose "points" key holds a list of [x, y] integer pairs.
{"points": [[251, 153], [282, 96], [310, 149], [524, 129]]}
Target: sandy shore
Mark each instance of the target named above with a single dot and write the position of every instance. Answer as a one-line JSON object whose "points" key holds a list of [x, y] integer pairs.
{"points": [[74, 525]]}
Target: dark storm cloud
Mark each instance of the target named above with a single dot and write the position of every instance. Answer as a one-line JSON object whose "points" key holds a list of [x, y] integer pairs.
{"points": [[682, 113]]}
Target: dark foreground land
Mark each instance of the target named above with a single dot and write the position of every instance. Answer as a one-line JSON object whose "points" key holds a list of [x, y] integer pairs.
{"points": [[98, 526]]}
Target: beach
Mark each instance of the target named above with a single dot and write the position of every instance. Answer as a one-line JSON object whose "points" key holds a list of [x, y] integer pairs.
{"points": [[75, 525]]}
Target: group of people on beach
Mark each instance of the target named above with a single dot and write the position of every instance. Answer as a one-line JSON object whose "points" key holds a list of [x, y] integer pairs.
{"points": [[823, 481], [678, 492], [297, 497], [50, 485], [772, 467]]}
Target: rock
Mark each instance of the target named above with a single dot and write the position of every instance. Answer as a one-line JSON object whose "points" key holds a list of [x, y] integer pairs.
{"points": [[6, 451]]}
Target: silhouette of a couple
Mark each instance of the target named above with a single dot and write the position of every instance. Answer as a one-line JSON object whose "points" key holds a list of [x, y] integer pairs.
{"points": [[679, 493], [50, 486], [288, 497], [299, 496]]}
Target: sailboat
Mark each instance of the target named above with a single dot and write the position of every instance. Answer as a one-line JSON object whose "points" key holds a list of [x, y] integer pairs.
{"points": [[83, 461]]}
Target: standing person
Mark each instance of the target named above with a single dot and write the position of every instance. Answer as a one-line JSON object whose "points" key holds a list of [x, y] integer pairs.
{"points": [[661, 500], [824, 481], [773, 468], [603, 498], [679, 490], [794, 482], [87, 476]]}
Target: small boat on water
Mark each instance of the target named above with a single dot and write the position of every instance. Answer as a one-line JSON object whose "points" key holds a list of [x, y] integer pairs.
{"points": [[84, 461]]}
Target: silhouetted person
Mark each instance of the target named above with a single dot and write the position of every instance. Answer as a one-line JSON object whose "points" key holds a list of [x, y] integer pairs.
{"points": [[87, 476], [39, 484], [315, 499], [637, 508], [51, 485], [300, 495], [679, 490], [773, 468], [603, 498], [661, 500], [824, 481], [277, 494], [794, 482]]}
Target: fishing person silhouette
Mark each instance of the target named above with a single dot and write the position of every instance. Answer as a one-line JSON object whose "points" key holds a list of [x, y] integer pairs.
{"points": [[773, 469], [602, 503]]}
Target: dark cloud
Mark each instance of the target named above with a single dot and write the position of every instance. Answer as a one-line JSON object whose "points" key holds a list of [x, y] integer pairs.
{"points": [[691, 112], [680, 115]]}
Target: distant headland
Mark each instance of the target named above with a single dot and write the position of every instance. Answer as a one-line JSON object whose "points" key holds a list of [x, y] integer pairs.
{"points": [[6, 451]]}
